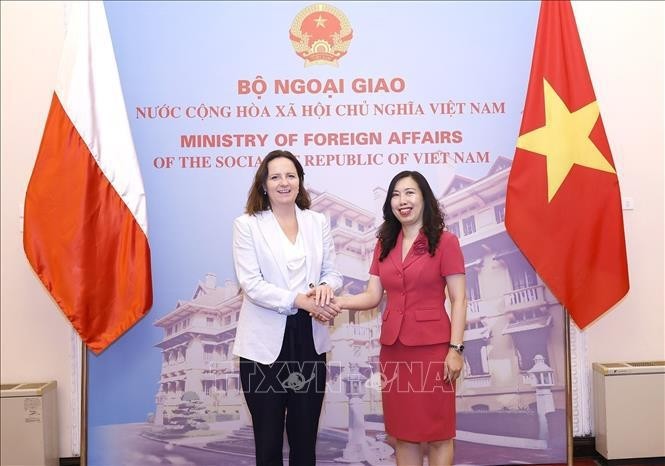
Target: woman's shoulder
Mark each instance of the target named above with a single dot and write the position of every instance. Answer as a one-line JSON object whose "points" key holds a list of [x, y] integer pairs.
{"points": [[248, 219], [244, 218], [447, 235], [448, 239]]}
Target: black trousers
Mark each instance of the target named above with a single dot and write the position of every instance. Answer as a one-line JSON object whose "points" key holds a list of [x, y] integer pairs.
{"points": [[288, 392]]}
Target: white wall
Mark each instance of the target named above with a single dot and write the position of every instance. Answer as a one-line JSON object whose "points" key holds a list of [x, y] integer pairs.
{"points": [[623, 42], [35, 335]]}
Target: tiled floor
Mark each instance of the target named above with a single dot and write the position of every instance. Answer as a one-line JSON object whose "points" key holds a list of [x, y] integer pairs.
{"points": [[630, 462]]}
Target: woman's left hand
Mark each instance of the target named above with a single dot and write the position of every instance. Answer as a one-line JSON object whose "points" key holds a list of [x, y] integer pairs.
{"points": [[452, 366], [322, 294]]}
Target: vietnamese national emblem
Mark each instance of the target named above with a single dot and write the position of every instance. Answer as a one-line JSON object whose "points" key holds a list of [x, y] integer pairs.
{"points": [[320, 34]]}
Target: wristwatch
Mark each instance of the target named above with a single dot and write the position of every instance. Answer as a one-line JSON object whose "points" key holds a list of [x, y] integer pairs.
{"points": [[459, 348]]}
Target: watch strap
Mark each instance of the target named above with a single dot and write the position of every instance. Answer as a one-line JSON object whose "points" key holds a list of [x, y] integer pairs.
{"points": [[459, 348]]}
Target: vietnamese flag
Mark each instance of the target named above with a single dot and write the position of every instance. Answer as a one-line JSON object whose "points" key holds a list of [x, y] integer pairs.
{"points": [[85, 228], [563, 205]]}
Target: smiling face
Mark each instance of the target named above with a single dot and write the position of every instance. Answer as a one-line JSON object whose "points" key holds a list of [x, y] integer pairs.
{"points": [[282, 183], [407, 203]]}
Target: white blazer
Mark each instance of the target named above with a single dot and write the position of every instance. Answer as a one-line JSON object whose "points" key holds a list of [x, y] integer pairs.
{"points": [[261, 270]]}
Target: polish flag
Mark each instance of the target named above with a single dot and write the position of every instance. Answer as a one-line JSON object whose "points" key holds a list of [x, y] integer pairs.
{"points": [[85, 231]]}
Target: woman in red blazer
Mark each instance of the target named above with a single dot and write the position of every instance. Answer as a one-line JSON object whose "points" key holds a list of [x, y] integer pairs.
{"points": [[415, 260]]}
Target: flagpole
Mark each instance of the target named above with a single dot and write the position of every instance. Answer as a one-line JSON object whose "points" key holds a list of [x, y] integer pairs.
{"points": [[84, 405], [569, 393]]}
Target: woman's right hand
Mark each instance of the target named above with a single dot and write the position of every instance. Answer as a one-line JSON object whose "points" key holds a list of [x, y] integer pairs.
{"points": [[339, 301]]}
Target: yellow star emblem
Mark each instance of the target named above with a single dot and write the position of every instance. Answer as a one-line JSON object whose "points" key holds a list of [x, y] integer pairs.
{"points": [[320, 22], [564, 140]]}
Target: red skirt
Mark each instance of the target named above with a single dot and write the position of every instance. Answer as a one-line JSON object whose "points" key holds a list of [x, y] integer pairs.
{"points": [[418, 405]]}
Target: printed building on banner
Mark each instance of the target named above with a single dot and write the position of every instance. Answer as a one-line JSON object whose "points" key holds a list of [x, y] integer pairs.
{"points": [[514, 358], [197, 351], [514, 355]]}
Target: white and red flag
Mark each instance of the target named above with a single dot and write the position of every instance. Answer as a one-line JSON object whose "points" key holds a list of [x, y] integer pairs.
{"points": [[85, 231]]}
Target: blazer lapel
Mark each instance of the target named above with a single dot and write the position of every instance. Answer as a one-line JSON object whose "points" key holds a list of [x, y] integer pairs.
{"points": [[270, 230], [416, 252], [396, 254], [411, 258]]}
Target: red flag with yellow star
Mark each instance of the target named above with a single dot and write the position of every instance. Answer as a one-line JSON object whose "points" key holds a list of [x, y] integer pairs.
{"points": [[563, 205]]}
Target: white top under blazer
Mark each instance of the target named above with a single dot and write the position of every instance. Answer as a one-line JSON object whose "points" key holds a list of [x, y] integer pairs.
{"points": [[295, 262], [261, 269]]}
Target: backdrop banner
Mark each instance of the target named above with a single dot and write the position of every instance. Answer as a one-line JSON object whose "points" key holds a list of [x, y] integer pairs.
{"points": [[359, 91]]}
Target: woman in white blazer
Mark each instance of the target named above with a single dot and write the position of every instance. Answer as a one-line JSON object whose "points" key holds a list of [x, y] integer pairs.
{"points": [[284, 258]]}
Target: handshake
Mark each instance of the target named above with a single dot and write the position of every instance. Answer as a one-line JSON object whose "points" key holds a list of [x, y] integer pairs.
{"points": [[322, 304]]}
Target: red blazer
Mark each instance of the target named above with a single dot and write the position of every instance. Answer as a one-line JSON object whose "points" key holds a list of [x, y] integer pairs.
{"points": [[415, 290]]}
